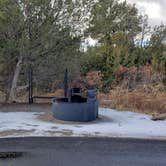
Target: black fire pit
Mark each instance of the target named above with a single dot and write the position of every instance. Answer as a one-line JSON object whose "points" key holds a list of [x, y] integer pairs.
{"points": [[75, 107]]}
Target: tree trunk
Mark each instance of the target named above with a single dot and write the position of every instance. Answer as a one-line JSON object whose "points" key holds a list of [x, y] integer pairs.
{"points": [[13, 90]]}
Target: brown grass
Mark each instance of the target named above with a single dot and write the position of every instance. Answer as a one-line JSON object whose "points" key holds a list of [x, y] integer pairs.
{"points": [[144, 99]]}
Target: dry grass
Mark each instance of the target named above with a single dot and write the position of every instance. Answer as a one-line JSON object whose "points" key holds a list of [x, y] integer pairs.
{"points": [[57, 93], [150, 100], [136, 89]]}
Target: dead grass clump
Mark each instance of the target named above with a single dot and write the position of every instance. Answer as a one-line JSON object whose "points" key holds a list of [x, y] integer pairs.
{"points": [[57, 92]]}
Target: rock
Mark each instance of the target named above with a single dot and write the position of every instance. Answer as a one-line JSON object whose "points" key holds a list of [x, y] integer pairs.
{"points": [[159, 117]]}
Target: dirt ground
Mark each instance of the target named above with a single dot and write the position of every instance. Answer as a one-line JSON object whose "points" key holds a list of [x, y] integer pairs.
{"points": [[23, 107]]}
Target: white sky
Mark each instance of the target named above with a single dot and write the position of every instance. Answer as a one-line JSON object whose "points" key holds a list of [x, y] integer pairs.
{"points": [[155, 9]]}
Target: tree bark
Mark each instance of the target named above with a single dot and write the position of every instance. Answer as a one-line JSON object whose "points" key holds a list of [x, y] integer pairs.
{"points": [[13, 90]]}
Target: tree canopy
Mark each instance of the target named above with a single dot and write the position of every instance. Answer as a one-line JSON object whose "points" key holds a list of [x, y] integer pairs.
{"points": [[36, 34]]}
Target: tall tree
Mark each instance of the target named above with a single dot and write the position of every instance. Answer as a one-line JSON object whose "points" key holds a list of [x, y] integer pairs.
{"points": [[37, 33], [11, 32], [115, 25], [110, 16], [157, 49]]}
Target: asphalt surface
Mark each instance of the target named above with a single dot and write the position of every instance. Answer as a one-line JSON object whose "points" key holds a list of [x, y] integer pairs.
{"points": [[83, 152]]}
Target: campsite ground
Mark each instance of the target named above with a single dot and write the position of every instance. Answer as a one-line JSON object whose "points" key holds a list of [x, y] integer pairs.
{"points": [[23, 120]]}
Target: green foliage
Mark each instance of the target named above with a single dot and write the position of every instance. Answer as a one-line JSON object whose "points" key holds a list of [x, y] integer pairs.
{"points": [[115, 25], [158, 49], [11, 32], [93, 59], [39, 32], [110, 16]]}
